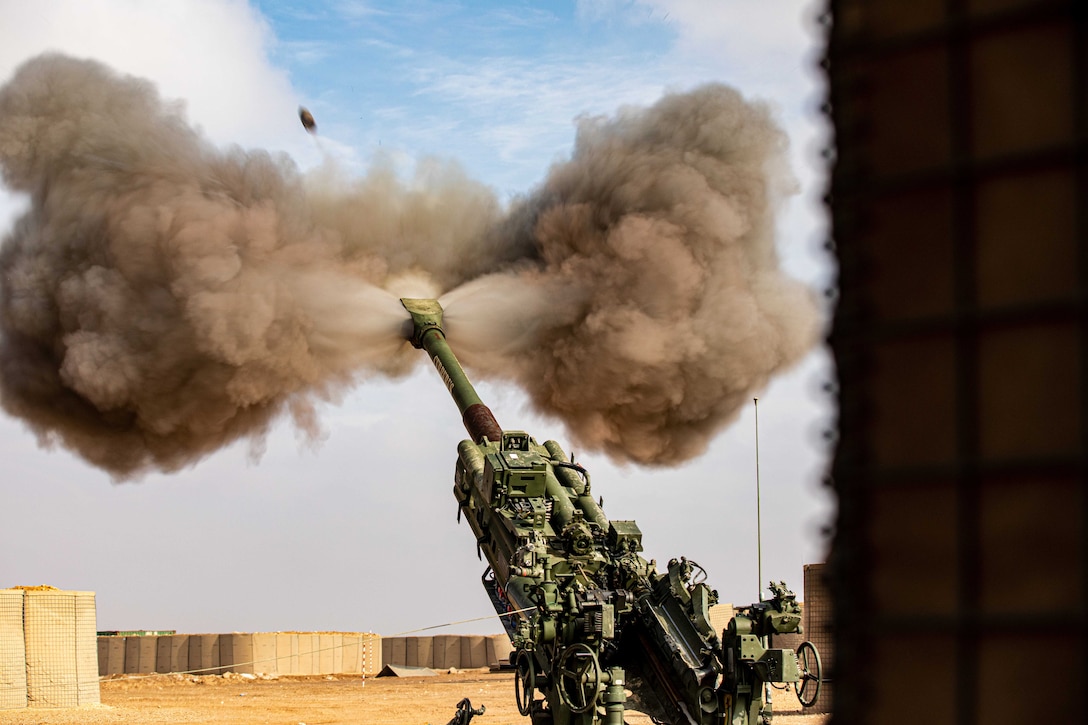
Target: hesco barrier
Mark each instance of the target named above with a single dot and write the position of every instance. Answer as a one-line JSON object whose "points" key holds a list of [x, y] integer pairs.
{"points": [[47, 648], [140, 654], [959, 203], [203, 654], [817, 623], [720, 614], [443, 652], [171, 654], [12, 650], [111, 655], [272, 653]]}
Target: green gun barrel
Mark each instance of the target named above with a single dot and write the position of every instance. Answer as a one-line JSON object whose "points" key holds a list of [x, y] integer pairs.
{"points": [[587, 615], [427, 334]]}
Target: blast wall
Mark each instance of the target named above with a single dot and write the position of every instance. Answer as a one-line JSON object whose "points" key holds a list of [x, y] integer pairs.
{"points": [[272, 653], [816, 620], [442, 652], [295, 653], [47, 649], [12, 650]]}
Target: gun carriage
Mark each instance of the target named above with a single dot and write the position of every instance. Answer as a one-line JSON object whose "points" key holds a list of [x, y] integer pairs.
{"points": [[596, 629]]}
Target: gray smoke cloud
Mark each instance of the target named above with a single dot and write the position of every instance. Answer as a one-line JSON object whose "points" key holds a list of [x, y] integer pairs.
{"points": [[163, 298], [659, 306]]}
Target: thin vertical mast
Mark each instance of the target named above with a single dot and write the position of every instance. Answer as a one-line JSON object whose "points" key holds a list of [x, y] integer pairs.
{"points": [[759, 522]]}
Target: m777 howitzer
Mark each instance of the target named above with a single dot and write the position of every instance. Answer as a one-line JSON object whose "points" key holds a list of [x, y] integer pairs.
{"points": [[596, 629]]}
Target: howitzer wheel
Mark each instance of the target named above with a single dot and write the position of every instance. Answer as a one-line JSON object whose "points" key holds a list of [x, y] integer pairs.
{"points": [[578, 677], [808, 663], [524, 681]]}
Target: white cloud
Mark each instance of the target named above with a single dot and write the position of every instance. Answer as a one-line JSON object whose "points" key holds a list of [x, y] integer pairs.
{"points": [[768, 49], [210, 53], [757, 27]]}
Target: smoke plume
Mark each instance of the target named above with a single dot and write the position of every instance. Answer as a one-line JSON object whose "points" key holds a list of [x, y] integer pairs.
{"points": [[658, 306], [162, 297]]}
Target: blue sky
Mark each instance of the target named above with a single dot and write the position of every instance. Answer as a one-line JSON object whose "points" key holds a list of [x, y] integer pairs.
{"points": [[481, 82], [359, 531]]}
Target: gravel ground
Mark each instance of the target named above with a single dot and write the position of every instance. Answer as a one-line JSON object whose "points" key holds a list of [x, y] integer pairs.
{"points": [[234, 700]]}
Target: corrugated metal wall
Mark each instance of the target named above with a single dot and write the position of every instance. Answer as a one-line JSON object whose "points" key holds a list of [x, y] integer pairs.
{"points": [[959, 202]]}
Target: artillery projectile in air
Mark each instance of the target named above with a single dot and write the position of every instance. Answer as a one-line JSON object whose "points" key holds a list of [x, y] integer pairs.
{"points": [[307, 119], [589, 618]]}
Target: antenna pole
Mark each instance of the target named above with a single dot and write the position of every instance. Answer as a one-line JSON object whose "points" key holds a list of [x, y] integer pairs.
{"points": [[759, 522]]}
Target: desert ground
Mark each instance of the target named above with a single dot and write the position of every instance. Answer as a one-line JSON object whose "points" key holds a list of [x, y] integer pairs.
{"points": [[287, 700]]}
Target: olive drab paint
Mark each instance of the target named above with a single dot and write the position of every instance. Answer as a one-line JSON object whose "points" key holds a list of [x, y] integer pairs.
{"points": [[588, 617]]}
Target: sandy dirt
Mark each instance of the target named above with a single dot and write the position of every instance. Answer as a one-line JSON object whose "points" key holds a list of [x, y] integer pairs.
{"points": [[233, 700]]}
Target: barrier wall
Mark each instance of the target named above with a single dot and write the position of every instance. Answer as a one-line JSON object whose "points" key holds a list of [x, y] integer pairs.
{"points": [[172, 653], [362, 654], [959, 209], [204, 654], [307, 644], [817, 622], [111, 655], [12, 650], [282, 653], [295, 653], [236, 653], [264, 652], [286, 653], [443, 652], [140, 655], [48, 652]]}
